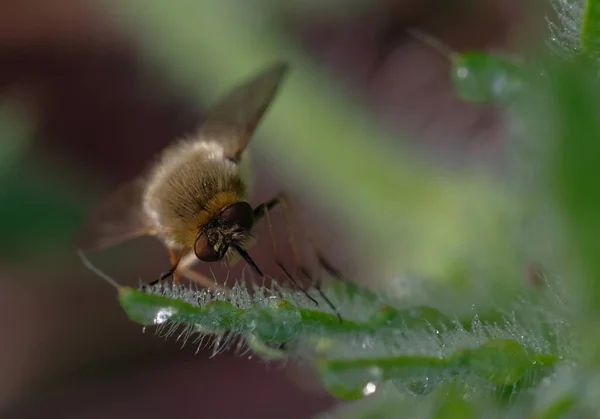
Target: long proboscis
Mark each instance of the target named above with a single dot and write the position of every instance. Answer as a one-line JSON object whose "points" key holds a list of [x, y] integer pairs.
{"points": [[248, 259]]}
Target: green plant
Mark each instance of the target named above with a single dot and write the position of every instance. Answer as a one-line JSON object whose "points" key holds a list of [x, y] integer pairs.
{"points": [[521, 349]]}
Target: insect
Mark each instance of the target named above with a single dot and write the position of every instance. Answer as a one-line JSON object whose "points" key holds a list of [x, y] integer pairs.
{"points": [[194, 197]]}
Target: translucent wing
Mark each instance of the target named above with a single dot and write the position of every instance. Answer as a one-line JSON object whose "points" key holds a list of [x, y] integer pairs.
{"points": [[233, 120], [118, 218]]}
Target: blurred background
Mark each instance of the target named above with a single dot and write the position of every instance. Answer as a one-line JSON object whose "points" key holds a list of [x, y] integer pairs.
{"points": [[83, 111]]}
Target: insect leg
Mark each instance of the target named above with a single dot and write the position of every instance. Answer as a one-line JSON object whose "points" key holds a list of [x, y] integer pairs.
{"points": [[282, 199], [263, 210], [325, 264], [182, 266], [175, 258], [293, 281], [316, 282], [185, 268]]}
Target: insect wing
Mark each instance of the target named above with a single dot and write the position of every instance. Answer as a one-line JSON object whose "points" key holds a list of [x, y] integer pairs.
{"points": [[118, 218], [233, 120]]}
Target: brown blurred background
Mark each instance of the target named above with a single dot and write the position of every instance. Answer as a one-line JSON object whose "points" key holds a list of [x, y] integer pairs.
{"points": [[67, 349]]}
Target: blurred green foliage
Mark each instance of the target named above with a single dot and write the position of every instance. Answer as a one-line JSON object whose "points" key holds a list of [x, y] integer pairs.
{"points": [[36, 217], [38, 211]]}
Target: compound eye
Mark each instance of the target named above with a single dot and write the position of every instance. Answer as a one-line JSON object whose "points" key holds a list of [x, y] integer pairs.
{"points": [[240, 213], [204, 251]]}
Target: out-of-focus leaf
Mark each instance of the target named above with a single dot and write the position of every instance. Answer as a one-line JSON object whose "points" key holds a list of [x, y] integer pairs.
{"points": [[590, 29], [576, 153], [480, 77]]}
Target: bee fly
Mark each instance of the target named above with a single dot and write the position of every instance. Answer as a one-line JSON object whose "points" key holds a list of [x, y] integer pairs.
{"points": [[195, 196]]}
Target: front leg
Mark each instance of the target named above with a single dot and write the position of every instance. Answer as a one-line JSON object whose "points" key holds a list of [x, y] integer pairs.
{"points": [[174, 259], [185, 268], [261, 211], [182, 266]]}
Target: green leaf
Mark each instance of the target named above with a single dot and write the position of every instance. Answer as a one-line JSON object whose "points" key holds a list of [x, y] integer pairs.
{"points": [[501, 361], [274, 319]]}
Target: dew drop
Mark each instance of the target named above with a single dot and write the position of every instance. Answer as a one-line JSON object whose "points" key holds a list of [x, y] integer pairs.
{"points": [[350, 382], [163, 315], [369, 388], [417, 386], [462, 72]]}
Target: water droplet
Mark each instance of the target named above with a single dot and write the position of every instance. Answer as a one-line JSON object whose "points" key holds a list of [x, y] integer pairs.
{"points": [[163, 315], [370, 388], [499, 84], [277, 321], [367, 342], [462, 72], [417, 386], [348, 381]]}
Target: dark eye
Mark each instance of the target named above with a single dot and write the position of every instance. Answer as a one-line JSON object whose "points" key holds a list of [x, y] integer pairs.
{"points": [[204, 251], [240, 213]]}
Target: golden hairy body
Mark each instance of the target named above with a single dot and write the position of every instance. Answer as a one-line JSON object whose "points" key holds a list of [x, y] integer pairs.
{"points": [[191, 183]]}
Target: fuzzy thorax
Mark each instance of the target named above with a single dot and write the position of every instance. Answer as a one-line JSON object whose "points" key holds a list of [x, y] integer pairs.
{"points": [[191, 185]]}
